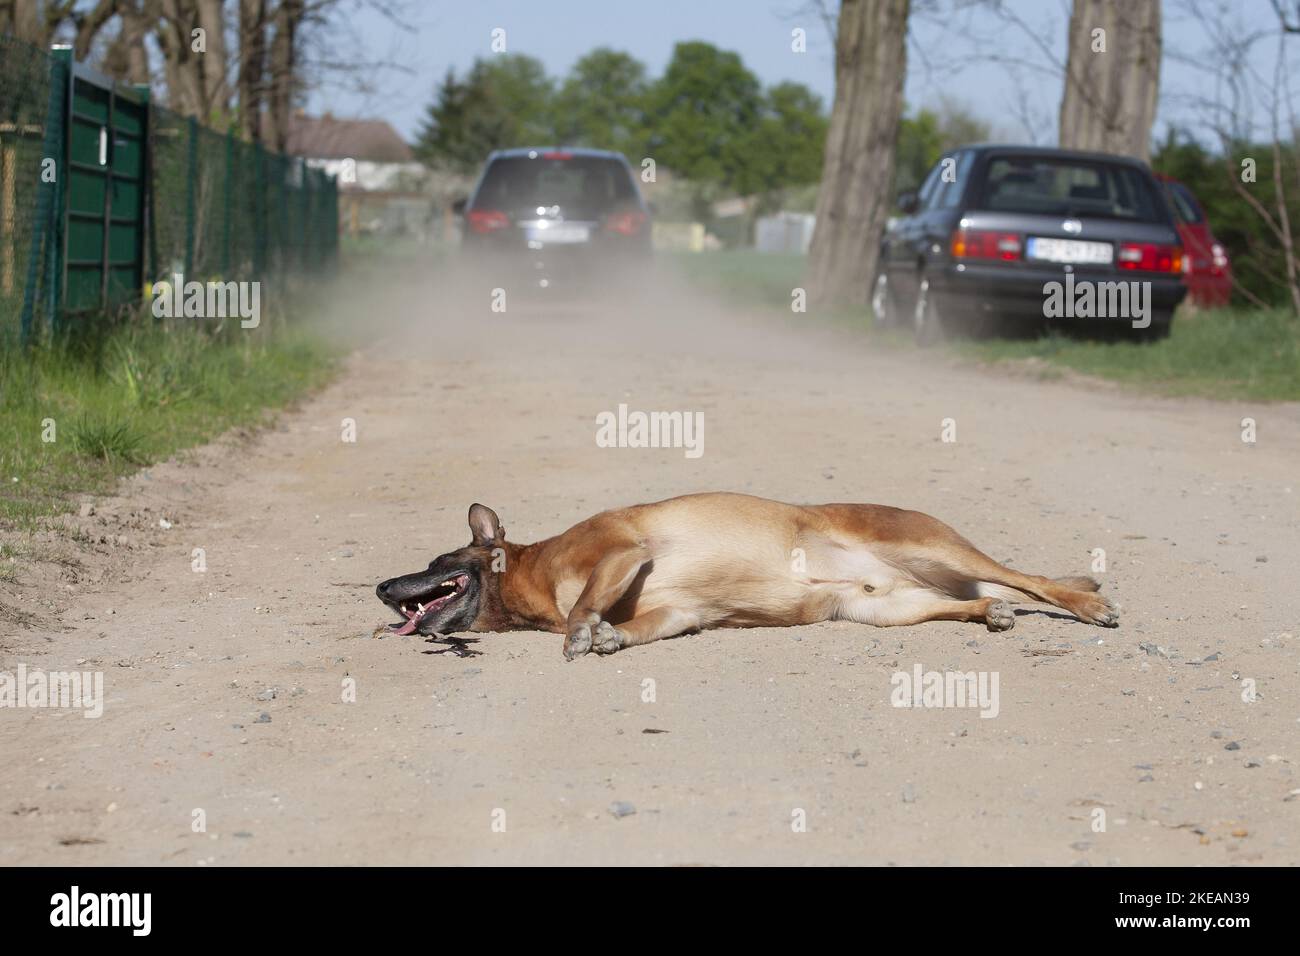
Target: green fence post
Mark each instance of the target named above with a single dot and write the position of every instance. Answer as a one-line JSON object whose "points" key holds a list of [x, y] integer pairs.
{"points": [[305, 202], [259, 211], [225, 212], [45, 229], [191, 175]]}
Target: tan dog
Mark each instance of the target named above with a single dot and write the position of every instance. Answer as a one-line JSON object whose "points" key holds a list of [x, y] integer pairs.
{"points": [[637, 574]]}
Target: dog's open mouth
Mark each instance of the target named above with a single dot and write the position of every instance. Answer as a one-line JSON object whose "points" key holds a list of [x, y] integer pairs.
{"points": [[418, 608]]}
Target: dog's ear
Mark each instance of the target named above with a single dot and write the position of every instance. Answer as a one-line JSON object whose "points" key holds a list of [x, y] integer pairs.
{"points": [[484, 525]]}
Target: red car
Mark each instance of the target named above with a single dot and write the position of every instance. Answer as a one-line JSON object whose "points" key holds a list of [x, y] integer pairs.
{"points": [[1205, 262]]}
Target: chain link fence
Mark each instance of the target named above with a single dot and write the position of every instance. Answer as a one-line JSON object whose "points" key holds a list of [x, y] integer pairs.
{"points": [[27, 127], [215, 207]]}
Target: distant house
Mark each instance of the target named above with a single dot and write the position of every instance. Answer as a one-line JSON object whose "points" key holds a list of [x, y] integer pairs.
{"points": [[381, 185]]}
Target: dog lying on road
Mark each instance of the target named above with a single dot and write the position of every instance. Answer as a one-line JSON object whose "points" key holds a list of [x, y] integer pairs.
{"points": [[638, 574]]}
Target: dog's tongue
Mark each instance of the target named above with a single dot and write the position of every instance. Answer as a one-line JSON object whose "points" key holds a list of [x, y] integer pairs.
{"points": [[407, 628]]}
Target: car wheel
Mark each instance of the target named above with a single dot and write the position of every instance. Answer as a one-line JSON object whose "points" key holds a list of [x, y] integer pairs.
{"points": [[883, 310], [927, 323]]}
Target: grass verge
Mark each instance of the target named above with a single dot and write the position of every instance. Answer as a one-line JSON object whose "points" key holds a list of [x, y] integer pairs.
{"points": [[1235, 353], [1225, 353], [77, 415]]}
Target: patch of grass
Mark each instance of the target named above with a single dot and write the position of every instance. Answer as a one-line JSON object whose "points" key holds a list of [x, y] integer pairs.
{"points": [[1235, 353], [753, 279], [106, 440], [1224, 353], [78, 414], [742, 275]]}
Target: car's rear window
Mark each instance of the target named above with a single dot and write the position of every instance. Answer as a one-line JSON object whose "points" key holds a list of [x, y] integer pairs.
{"points": [[1184, 203], [577, 184], [1068, 187]]}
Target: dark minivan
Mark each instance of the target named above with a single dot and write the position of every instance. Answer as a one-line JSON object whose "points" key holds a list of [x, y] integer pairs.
{"points": [[1013, 232], [557, 214]]}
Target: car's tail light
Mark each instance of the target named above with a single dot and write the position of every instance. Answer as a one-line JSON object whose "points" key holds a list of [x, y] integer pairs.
{"points": [[1220, 258], [626, 223], [486, 220], [984, 244], [1150, 257], [557, 154]]}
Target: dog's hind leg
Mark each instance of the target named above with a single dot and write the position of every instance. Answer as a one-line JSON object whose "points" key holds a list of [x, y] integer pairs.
{"points": [[642, 629], [959, 568], [609, 580]]}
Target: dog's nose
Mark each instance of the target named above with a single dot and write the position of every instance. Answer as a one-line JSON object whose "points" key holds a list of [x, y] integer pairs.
{"points": [[382, 591]]}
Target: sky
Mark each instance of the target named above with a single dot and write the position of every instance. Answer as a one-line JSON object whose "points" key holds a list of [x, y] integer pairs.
{"points": [[962, 57]]}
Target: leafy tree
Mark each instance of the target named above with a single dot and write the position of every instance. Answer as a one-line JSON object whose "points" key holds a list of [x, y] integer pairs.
{"points": [[502, 102], [700, 114], [785, 147], [601, 103]]}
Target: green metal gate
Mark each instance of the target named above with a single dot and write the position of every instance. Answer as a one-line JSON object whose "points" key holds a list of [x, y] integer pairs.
{"points": [[106, 161], [103, 193]]}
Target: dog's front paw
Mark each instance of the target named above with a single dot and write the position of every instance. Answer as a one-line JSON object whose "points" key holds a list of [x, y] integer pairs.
{"points": [[607, 638], [578, 642]]}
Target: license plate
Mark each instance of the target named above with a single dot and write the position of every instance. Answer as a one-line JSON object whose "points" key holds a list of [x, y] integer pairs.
{"points": [[558, 232], [1069, 250]]}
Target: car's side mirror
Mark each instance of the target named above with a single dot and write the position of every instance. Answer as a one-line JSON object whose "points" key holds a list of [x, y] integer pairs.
{"points": [[907, 202], [458, 207]]}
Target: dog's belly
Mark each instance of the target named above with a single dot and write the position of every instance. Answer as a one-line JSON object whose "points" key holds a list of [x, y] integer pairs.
{"points": [[780, 584]]}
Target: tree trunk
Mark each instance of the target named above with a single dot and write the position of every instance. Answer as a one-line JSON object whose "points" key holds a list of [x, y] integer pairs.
{"points": [[284, 63], [126, 57], [88, 26], [181, 65], [252, 63], [213, 64], [1112, 78], [853, 202]]}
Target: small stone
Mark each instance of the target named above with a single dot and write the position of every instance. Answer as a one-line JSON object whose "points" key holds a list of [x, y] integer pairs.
{"points": [[621, 808], [263, 718], [909, 793], [268, 694], [1232, 745], [1261, 558]]}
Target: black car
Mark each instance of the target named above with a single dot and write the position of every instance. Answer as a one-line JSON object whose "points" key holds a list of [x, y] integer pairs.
{"points": [[557, 215], [1016, 233]]}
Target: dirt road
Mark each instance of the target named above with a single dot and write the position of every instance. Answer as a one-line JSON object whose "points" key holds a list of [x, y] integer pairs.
{"points": [[225, 687]]}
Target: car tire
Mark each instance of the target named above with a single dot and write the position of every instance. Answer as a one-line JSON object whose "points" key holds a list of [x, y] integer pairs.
{"points": [[884, 310], [927, 321]]}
